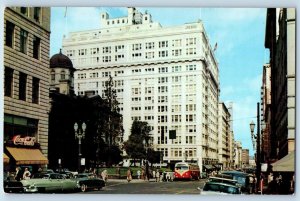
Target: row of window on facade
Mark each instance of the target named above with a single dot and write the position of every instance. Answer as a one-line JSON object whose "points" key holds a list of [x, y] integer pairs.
{"points": [[15, 33], [137, 55], [178, 152], [23, 84], [177, 68], [36, 11], [134, 47], [121, 57]]}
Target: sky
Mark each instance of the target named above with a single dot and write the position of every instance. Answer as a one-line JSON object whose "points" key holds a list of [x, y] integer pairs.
{"points": [[239, 33]]}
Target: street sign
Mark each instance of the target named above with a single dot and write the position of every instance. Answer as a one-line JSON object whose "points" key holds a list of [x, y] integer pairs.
{"points": [[172, 134]]}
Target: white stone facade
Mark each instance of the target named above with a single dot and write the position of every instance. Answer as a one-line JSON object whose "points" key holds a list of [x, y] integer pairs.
{"points": [[167, 76]]}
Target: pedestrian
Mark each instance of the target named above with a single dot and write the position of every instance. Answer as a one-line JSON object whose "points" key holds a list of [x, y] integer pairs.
{"points": [[157, 176], [153, 174], [138, 174], [26, 174], [104, 175], [129, 175], [18, 175], [270, 177], [143, 174], [273, 186], [168, 176], [251, 180]]}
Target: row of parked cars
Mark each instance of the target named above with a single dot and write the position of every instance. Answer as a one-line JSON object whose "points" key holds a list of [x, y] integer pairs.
{"points": [[227, 182], [46, 182]]}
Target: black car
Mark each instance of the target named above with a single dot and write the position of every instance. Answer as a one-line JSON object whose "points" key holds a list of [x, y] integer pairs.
{"points": [[88, 181], [241, 178], [13, 186]]}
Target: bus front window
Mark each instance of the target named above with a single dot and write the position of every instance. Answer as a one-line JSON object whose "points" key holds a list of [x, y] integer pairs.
{"points": [[182, 168]]}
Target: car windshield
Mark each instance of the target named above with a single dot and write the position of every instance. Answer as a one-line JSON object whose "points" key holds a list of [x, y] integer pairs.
{"points": [[221, 188], [81, 176], [41, 176]]}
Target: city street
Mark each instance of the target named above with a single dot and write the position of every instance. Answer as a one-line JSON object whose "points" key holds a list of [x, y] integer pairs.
{"points": [[152, 187]]}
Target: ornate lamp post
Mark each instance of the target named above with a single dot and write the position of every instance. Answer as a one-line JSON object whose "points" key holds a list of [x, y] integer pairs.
{"points": [[147, 165], [257, 137], [79, 134]]}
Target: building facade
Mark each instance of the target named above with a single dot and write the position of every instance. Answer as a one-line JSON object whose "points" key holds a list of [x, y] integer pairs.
{"points": [[224, 132], [167, 76], [245, 158], [26, 85], [266, 113], [280, 39]]}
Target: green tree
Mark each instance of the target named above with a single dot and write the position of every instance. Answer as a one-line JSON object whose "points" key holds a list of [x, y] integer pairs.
{"points": [[110, 127], [134, 146]]}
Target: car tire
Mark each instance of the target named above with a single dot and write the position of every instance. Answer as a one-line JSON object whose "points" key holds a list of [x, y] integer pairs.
{"points": [[83, 187]]}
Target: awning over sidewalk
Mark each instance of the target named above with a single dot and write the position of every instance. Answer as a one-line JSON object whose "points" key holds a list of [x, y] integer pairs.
{"points": [[27, 156], [286, 164], [5, 158], [208, 167]]}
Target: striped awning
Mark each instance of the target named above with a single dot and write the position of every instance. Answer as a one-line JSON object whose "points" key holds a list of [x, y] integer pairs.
{"points": [[27, 156]]}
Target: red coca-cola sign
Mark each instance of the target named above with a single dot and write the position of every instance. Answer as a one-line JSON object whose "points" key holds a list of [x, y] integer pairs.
{"points": [[26, 141]]}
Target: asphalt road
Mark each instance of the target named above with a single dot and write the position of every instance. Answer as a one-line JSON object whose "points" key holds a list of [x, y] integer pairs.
{"points": [[152, 187]]}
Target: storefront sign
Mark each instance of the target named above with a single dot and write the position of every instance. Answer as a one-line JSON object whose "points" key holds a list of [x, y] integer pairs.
{"points": [[26, 141]]}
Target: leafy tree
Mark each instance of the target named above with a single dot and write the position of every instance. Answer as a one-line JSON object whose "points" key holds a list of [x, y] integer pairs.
{"points": [[134, 146], [110, 126], [153, 156]]}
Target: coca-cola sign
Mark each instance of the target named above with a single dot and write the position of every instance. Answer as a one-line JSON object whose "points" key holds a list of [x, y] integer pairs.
{"points": [[26, 141]]}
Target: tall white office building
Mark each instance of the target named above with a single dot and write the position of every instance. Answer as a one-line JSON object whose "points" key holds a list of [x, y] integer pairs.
{"points": [[167, 76]]}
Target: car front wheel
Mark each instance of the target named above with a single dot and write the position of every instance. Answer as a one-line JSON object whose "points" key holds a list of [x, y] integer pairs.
{"points": [[83, 187]]}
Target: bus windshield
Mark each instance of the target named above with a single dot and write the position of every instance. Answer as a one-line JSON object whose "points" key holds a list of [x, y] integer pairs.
{"points": [[182, 167]]}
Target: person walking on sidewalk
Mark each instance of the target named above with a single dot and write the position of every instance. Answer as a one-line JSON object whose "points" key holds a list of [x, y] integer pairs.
{"points": [[129, 175], [157, 176], [104, 175], [26, 174], [138, 174]]}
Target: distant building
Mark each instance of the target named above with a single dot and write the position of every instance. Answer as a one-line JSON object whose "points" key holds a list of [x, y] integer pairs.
{"points": [[224, 132], [245, 158], [26, 86], [167, 76], [238, 155]]}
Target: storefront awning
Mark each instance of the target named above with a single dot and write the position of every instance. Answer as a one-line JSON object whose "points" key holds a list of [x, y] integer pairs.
{"points": [[208, 167], [27, 156], [5, 158], [286, 164]]}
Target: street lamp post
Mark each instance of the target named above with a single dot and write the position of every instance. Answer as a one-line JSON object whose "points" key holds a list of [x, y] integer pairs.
{"points": [[146, 161], [79, 134], [257, 137]]}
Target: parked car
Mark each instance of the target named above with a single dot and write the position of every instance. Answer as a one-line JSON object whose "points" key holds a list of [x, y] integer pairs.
{"points": [[223, 179], [49, 182], [241, 178], [218, 188], [13, 186], [87, 181]]}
